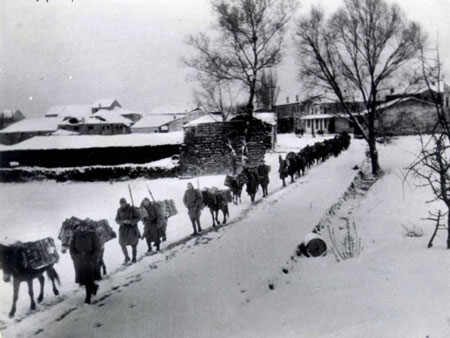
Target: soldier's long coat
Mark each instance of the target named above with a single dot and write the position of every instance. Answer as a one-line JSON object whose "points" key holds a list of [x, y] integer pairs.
{"points": [[193, 201], [128, 233], [154, 223], [85, 250]]}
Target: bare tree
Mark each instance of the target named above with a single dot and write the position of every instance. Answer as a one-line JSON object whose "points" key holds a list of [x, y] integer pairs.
{"points": [[217, 97], [354, 53], [432, 165], [249, 40]]}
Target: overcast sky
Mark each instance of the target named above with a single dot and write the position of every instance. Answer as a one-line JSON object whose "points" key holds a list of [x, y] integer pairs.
{"points": [[62, 52]]}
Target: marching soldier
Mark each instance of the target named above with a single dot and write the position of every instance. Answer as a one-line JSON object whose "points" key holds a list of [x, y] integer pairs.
{"points": [[128, 217], [193, 201]]}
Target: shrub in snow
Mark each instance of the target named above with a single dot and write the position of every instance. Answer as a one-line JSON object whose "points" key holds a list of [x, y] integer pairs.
{"points": [[350, 244], [413, 231]]}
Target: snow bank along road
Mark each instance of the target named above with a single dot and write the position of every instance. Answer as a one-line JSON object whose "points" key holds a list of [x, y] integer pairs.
{"points": [[210, 286]]}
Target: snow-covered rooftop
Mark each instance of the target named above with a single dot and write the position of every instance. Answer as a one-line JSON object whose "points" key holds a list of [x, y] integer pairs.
{"points": [[33, 125], [399, 100], [97, 141], [210, 118], [154, 121], [106, 116], [77, 111]]}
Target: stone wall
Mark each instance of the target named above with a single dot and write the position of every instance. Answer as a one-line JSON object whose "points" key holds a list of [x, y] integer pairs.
{"points": [[206, 148]]}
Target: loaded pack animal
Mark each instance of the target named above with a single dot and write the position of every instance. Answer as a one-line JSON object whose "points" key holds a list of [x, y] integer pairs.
{"points": [[283, 170], [250, 175], [66, 235], [292, 165], [236, 189], [296, 164], [14, 266], [263, 171], [217, 200]]}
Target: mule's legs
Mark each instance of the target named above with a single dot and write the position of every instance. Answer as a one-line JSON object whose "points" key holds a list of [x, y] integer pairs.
{"points": [[225, 212], [212, 216], [31, 293], [41, 293], [284, 182], [53, 275], [16, 287], [217, 216]]}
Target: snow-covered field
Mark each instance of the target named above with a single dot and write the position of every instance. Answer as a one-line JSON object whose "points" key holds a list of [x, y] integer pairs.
{"points": [[217, 285]]}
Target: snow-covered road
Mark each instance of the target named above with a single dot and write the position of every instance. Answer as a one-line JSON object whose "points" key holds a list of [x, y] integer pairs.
{"points": [[204, 287]]}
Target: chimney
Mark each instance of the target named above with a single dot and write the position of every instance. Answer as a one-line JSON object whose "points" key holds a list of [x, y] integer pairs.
{"points": [[296, 98], [287, 99]]}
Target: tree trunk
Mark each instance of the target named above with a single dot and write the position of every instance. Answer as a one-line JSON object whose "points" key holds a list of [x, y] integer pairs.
{"points": [[373, 142], [448, 227], [250, 99]]}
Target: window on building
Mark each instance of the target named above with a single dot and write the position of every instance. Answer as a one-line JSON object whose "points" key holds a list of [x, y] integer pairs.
{"points": [[446, 101], [76, 128], [317, 124], [309, 123], [91, 128]]}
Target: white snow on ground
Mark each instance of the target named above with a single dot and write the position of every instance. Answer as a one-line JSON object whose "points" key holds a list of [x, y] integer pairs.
{"points": [[217, 285]]}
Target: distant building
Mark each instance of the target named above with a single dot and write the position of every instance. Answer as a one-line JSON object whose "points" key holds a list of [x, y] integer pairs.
{"points": [[28, 128], [313, 115], [10, 116], [103, 122], [440, 92], [159, 122], [328, 117], [405, 116], [288, 113]]}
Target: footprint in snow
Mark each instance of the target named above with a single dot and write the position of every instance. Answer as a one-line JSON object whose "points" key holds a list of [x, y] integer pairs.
{"points": [[39, 331], [65, 314]]}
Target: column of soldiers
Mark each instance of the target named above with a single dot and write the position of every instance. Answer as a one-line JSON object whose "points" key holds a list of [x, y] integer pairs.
{"points": [[86, 249]]}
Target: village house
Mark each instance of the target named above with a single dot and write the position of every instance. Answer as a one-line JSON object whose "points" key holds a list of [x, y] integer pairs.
{"points": [[104, 117], [10, 116], [28, 128], [100, 123], [166, 119], [406, 116], [327, 117]]}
